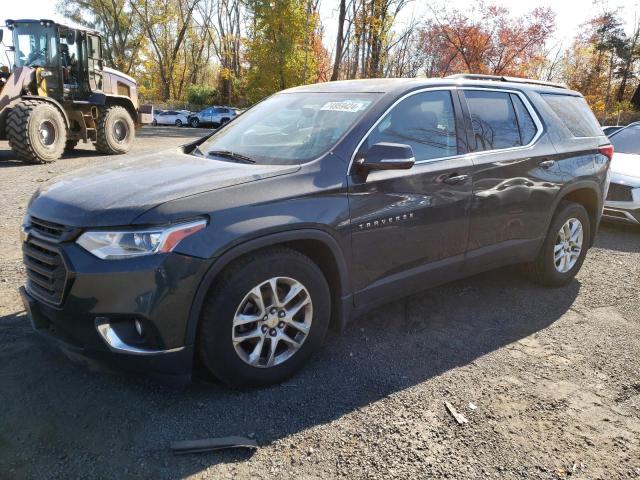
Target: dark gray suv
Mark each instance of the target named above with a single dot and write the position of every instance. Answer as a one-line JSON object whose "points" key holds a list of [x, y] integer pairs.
{"points": [[319, 203]]}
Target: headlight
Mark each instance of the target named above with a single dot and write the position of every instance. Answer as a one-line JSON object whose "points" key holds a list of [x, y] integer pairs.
{"points": [[135, 243]]}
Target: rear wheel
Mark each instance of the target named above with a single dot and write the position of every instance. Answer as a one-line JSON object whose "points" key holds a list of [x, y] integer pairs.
{"points": [[154, 123], [264, 318], [36, 131], [115, 132], [565, 247]]}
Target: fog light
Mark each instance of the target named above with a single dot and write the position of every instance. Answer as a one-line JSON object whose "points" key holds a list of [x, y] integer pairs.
{"points": [[138, 326]]}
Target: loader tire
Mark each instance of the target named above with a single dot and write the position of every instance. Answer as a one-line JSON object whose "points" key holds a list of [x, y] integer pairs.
{"points": [[36, 131], [115, 132]]}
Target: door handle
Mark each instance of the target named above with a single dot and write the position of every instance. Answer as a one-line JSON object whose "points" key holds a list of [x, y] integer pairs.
{"points": [[547, 164], [456, 179]]}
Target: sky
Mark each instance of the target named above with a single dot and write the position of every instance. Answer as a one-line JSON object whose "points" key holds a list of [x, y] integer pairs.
{"points": [[570, 14]]}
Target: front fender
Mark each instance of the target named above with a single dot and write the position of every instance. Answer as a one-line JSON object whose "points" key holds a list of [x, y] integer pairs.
{"points": [[261, 242]]}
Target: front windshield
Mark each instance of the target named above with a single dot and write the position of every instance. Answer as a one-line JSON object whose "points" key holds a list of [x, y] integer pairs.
{"points": [[290, 128], [627, 140], [35, 45]]}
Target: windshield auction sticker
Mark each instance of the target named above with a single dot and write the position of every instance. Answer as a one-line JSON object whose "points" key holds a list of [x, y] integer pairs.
{"points": [[346, 106]]}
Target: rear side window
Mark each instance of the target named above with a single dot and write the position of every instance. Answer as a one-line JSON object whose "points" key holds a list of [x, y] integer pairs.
{"points": [[575, 114], [527, 126], [494, 119], [425, 121], [627, 140]]}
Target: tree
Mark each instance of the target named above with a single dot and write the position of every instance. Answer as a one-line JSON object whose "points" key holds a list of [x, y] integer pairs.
{"points": [[166, 23], [485, 39], [276, 47], [122, 34]]}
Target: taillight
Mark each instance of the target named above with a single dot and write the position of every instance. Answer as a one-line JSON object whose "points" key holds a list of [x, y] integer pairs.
{"points": [[606, 150]]}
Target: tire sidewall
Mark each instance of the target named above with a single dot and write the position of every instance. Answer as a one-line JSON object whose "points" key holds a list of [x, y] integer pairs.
{"points": [[41, 113], [178, 123], [114, 114], [221, 357], [571, 210], [195, 123]]}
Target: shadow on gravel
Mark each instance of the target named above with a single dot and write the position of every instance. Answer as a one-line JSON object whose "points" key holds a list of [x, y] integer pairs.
{"points": [[619, 237], [58, 417]]}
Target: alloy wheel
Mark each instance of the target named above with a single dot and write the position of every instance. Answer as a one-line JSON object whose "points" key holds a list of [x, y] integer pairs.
{"points": [[568, 246], [272, 322]]}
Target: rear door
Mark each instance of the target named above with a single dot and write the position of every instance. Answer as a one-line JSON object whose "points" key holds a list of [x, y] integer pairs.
{"points": [[515, 179], [410, 226]]}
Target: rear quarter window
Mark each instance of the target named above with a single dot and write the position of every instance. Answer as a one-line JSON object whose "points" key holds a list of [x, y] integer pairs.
{"points": [[575, 114]]}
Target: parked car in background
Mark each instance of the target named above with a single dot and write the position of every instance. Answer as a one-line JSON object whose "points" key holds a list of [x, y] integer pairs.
{"points": [[623, 200], [172, 117], [212, 116], [611, 129], [240, 250]]}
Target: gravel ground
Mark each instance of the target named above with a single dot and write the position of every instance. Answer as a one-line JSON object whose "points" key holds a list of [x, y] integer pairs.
{"points": [[553, 376]]}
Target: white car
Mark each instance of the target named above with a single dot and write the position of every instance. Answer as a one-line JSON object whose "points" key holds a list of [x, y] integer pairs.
{"points": [[212, 116], [171, 117], [623, 200]]}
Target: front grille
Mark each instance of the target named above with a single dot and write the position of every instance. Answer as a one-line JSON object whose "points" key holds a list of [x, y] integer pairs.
{"points": [[46, 271], [51, 231], [620, 193]]}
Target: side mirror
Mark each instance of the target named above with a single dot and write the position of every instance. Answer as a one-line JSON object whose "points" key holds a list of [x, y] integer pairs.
{"points": [[387, 156]]}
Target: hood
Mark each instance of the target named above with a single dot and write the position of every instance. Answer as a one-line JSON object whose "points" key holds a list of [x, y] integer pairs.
{"points": [[118, 192], [626, 164]]}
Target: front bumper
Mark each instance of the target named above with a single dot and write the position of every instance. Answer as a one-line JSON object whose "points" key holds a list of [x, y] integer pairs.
{"points": [[103, 299]]}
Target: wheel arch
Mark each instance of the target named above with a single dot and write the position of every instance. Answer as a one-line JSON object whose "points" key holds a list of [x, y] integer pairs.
{"points": [[586, 193], [116, 100], [318, 245], [51, 101]]}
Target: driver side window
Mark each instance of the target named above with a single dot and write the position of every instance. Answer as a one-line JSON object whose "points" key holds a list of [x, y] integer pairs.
{"points": [[425, 121]]}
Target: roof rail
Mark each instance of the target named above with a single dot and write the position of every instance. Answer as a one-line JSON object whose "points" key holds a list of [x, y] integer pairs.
{"points": [[502, 78]]}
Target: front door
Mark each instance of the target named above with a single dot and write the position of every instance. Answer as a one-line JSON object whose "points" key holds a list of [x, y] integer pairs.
{"points": [[410, 227]]}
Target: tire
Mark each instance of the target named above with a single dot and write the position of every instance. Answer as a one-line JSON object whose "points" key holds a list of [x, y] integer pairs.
{"points": [[194, 122], [178, 123], [154, 123], [70, 145], [36, 131], [215, 347], [223, 121], [544, 269], [115, 131]]}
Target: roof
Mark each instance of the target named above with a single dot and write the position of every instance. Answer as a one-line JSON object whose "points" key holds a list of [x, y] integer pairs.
{"points": [[72, 25], [397, 85]]}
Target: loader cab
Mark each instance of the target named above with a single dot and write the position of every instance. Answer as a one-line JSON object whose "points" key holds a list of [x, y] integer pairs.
{"points": [[68, 61]]}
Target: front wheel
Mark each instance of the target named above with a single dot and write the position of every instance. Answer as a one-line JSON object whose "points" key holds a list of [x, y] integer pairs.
{"points": [[194, 122], [36, 131], [115, 132], [564, 248], [178, 123], [264, 318]]}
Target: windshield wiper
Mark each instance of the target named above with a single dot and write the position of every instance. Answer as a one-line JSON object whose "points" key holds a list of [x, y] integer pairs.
{"points": [[232, 155]]}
